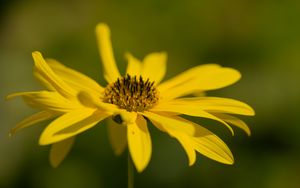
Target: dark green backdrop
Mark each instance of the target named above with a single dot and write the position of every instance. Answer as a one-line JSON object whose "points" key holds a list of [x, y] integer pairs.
{"points": [[259, 38]]}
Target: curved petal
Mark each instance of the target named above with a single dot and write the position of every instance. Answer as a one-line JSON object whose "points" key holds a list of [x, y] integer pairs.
{"points": [[190, 110], [75, 79], [215, 105], [194, 135], [154, 67], [117, 135], [60, 150], [93, 102], [211, 77], [187, 75], [187, 145], [42, 80], [42, 68], [134, 66], [234, 121], [33, 119], [111, 72], [139, 143], [70, 124], [48, 100]]}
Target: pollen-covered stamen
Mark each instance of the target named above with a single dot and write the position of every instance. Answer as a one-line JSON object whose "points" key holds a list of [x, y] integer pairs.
{"points": [[131, 93]]}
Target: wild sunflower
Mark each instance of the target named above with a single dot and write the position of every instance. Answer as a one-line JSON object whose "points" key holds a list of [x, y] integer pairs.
{"points": [[77, 103]]}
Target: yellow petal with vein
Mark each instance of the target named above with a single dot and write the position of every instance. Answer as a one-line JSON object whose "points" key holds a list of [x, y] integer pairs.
{"points": [[191, 110], [196, 136], [215, 78], [70, 124], [47, 73], [216, 105], [42, 80], [75, 79], [60, 150], [48, 100], [234, 121], [117, 135], [111, 72], [188, 75], [139, 143]]}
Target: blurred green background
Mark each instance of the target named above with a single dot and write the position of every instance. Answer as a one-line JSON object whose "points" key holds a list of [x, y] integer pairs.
{"points": [[259, 38]]}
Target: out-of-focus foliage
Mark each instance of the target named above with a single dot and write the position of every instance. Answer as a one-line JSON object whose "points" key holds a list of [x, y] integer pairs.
{"points": [[259, 38]]}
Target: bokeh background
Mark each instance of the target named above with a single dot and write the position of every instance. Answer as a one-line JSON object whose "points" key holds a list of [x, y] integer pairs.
{"points": [[259, 38]]}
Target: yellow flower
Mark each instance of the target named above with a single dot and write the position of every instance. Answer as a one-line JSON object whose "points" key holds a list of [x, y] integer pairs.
{"points": [[78, 103]]}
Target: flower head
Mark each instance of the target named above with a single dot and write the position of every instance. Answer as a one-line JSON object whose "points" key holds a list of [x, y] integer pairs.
{"points": [[77, 103]]}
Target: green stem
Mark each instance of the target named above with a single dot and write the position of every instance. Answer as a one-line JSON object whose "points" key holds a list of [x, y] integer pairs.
{"points": [[130, 173]]}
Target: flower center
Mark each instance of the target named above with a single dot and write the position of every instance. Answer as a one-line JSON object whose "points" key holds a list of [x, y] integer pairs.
{"points": [[131, 93]]}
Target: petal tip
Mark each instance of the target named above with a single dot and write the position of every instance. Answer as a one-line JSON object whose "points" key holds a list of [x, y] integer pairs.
{"points": [[249, 133], [229, 160], [53, 164], [9, 96], [191, 163], [36, 54], [43, 141], [102, 27]]}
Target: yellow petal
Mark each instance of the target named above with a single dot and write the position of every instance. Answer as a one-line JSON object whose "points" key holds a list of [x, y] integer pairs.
{"points": [[188, 75], [216, 105], [171, 125], [128, 117], [191, 110], [42, 80], [47, 100], [234, 121], [59, 151], [213, 78], [70, 124], [117, 135], [75, 79], [196, 136], [111, 72], [47, 73], [91, 101], [181, 132], [185, 142], [134, 66], [139, 143], [154, 67], [209, 144], [33, 119]]}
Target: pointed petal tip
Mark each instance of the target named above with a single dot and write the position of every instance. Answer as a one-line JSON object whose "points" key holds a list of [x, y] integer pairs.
{"points": [[229, 160], [231, 130], [13, 95], [252, 111], [43, 141], [10, 96], [141, 167], [53, 164], [140, 170], [191, 163]]}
